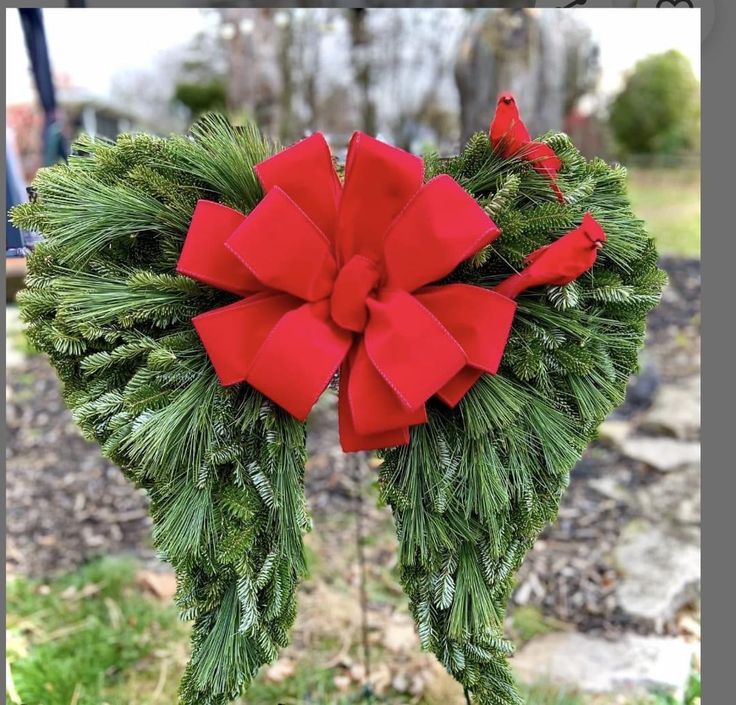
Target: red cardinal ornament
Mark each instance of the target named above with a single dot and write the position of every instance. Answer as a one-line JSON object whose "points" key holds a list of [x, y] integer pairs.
{"points": [[510, 137], [560, 262]]}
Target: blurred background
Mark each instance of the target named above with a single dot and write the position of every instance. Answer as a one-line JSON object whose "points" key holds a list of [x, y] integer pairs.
{"points": [[607, 605]]}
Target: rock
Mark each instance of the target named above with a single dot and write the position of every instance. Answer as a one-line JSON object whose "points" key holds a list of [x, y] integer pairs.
{"points": [[342, 682], [610, 487], [14, 356], [281, 670], [633, 663], [663, 454], [399, 635], [660, 569], [674, 498], [689, 625], [380, 679], [641, 389], [614, 431], [676, 409], [159, 583], [400, 683]]}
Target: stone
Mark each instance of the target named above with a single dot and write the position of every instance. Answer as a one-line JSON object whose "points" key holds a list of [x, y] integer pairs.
{"points": [[642, 388], [13, 331], [160, 584], [676, 410], [400, 683], [280, 671], [399, 635], [664, 454], [614, 431], [610, 487], [674, 498], [636, 664], [660, 569]]}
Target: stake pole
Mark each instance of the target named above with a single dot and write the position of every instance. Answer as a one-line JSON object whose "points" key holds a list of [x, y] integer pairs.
{"points": [[358, 462]]}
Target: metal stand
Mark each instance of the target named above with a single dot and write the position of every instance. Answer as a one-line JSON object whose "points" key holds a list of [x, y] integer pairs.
{"points": [[357, 465]]}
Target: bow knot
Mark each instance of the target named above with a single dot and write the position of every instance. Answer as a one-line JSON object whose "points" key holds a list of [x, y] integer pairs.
{"points": [[353, 285]]}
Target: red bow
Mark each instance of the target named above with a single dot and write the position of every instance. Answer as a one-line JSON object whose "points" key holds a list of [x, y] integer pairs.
{"points": [[509, 136], [338, 275]]}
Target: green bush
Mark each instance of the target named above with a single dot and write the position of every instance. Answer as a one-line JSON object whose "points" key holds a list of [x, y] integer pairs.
{"points": [[658, 109], [202, 96]]}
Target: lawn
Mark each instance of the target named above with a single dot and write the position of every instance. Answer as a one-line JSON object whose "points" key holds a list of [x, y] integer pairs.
{"points": [[95, 637], [668, 200]]}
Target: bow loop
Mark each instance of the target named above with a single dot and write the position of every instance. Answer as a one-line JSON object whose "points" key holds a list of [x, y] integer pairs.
{"points": [[284, 249], [439, 228], [204, 256], [411, 349], [379, 181], [482, 336], [306, 173], [299, 357], [245, 325]]}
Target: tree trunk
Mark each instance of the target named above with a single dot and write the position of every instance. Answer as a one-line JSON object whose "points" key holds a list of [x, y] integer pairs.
{"points": [[548, 60], [361, 41]]}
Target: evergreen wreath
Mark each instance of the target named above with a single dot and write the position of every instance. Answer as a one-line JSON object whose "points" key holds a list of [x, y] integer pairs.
{"points": [[224, 466]]}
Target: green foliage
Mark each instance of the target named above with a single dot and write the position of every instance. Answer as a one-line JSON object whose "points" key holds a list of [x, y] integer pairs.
{"points": [[202, 96], [528, 622], [224, 467], [658, 109]]}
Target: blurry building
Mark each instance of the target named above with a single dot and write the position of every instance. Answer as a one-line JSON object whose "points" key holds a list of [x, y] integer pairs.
{"points": [[80, 111]]}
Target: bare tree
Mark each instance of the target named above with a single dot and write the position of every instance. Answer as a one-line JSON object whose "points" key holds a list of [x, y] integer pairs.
{"points": [[148, 94], [361, 54]]}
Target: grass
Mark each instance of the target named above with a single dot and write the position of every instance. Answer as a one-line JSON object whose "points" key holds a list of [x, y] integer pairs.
{"points": [[80, 638], [669, 201], [527, 621], [93, 637]]}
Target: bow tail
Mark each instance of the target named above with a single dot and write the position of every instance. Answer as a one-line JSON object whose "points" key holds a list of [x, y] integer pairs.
{"points": [[204, 256], [288, 350], [483, 336], [351, 439]]}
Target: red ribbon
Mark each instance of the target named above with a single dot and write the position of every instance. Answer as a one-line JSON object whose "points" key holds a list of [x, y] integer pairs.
{"points": [[511, 138], [340, 276]]}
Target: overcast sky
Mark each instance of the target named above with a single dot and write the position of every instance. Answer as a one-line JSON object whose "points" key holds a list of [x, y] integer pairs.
{"points": [[90, 46]]}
